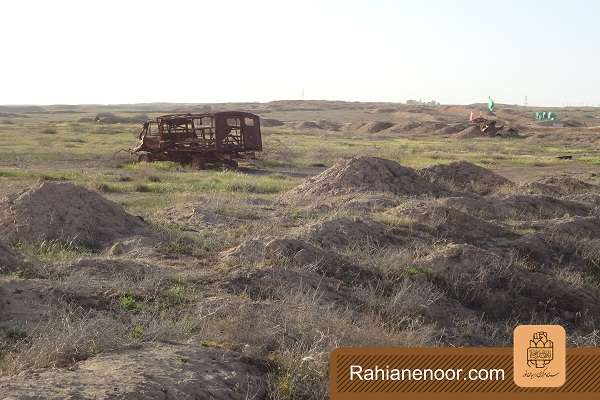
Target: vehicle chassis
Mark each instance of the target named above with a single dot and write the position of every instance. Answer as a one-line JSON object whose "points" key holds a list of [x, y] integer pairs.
{"points": [[198, 139]]}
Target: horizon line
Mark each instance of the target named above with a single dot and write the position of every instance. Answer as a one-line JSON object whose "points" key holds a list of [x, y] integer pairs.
{"points": [[420, 103]]}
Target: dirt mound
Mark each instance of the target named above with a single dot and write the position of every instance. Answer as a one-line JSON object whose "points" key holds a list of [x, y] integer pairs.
{"points": [[152, 371], [63, 211], [363, 174], [320, 124], [405, 127], [490, 283], [517, 207], [451, 129], [358, 202], [375, 126], [568, 185], [9, 259], [344, 232], [539, 189], [591, 198], [329, 125], [270, 122], [307, 125], [110, 118], [418, 127], [25, 303], [384, 110], [476, 206], [571, 123], [578, 227], [297, 254], [366, 202], [474, 131], [276, 283], [449, 223], [561, 241], [521, 207], [535, 247], [463, 175], [193, 216], [465, 271], [509, 132], [562, 185], [471, 132], [91, 278], [135, 247]]}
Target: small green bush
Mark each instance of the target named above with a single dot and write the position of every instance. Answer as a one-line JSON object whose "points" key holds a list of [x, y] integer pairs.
{"points": [[129, 303]]}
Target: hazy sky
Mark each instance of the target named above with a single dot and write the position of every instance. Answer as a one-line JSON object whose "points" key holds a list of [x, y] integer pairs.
{"points": [[128, 51]]}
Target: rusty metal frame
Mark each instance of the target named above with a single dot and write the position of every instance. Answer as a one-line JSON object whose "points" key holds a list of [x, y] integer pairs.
{"points": [[200, 138]]}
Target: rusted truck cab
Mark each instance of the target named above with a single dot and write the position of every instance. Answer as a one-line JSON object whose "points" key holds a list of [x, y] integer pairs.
{"points": [[220, 137]]}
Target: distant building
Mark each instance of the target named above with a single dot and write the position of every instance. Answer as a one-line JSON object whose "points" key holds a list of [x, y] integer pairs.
{"points": [[422, 103]]}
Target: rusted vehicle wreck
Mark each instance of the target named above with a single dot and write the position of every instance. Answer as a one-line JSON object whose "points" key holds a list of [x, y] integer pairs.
{"points": [[200, 139]]}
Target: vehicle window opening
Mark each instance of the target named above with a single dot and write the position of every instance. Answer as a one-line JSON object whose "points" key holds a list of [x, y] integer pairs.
{"points": [[234, 134]]}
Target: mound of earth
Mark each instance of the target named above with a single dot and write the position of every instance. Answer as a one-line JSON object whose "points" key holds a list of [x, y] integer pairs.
{"points": [[508, 132], [552, 243], [535, 247], [375, 126], [63, 211], [384, 110], [517, 207], [451, 129], [9, 259], [538, 188], [591, 198], [521, 207], [571, 123], [568, 185], [104, 277], [563, 185], [488, 282], [276, 283], [308, 125], [136, 246], [193, 216], [445, 222], [328, 125], [463, 175], [480, 207], [467, 273], [363, 174], [152, 371], [110, 118], [577, 227], [363, 202], [367, 202], [405, 127], [270, 122], [418, 127], [297, 254], [344, 232], [25, 303], [471, 132]]}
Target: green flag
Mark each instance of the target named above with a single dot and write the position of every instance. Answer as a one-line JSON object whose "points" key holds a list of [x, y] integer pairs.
{"points": [[491, 104]]}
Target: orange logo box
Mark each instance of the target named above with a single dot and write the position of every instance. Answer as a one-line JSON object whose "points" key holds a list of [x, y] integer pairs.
{"points": [[539, 356]]}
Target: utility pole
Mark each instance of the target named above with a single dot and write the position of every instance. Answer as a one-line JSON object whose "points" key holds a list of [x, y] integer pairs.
{"points": [[525, 103]]}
